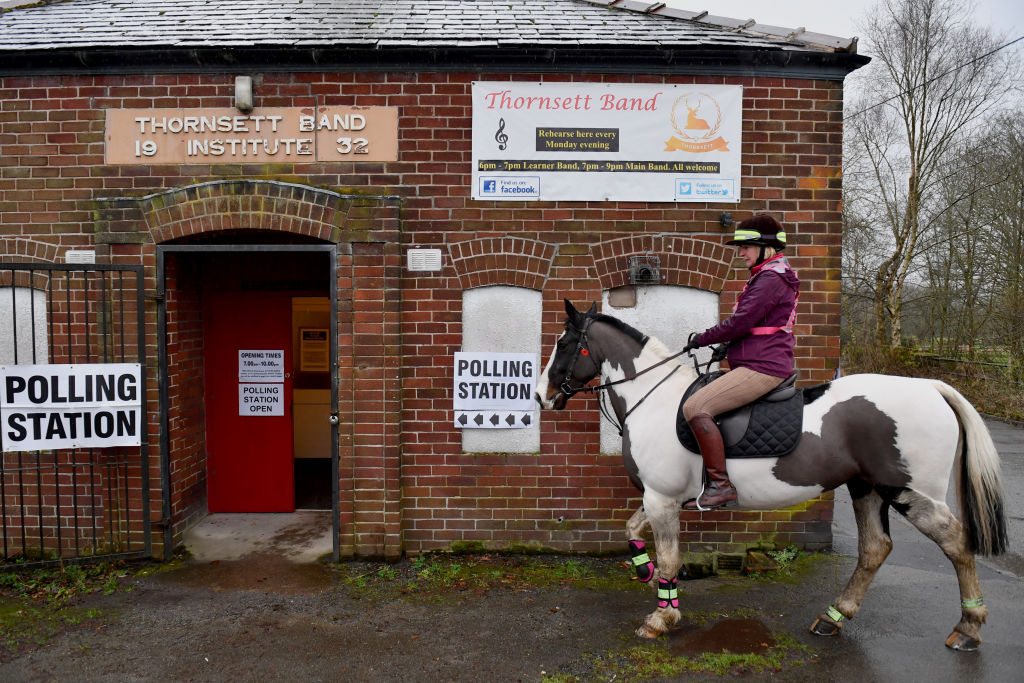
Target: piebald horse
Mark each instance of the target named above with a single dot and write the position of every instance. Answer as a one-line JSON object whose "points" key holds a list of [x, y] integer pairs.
{"points": [[893, 441]]}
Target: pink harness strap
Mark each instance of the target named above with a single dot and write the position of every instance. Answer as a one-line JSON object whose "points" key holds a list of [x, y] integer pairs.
{"points": [[787, 328], [779, 267]]}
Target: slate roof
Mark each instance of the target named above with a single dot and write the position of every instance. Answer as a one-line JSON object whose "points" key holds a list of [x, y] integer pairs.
{"points": [[91, 24]]}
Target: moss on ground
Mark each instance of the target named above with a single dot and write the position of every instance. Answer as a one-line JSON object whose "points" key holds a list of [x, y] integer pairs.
{"points": [[656, 660], [36, 605], [444, 577]]}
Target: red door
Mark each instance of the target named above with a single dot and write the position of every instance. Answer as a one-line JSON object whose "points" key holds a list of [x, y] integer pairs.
{"points": [[248, 403]]}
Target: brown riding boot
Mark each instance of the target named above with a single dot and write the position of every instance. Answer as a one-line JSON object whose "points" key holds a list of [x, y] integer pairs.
{"points": [[719, 492]]}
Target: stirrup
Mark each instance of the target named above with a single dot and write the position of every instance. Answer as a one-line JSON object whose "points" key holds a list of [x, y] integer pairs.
{"points": [[700, 508], [721, 506]]}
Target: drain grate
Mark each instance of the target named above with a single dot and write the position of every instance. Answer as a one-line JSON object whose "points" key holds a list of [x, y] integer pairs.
{"points": [[729, 563]]}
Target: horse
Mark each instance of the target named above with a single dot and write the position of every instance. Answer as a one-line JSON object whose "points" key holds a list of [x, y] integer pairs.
{"points": [[893, 441]]}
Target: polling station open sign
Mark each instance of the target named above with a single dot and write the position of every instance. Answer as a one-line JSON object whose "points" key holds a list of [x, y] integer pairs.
{"points": [[494, 390], [95, 405]]}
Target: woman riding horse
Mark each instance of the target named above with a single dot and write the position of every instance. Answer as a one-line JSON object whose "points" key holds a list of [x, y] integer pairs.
{"points": [[895, 442], [760, 336]]}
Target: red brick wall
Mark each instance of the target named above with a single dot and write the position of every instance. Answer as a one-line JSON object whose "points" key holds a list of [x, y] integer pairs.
{"points": [[404, 481]]}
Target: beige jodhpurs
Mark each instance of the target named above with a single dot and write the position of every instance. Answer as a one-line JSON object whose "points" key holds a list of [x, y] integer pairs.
{"points": [[735, 388]]}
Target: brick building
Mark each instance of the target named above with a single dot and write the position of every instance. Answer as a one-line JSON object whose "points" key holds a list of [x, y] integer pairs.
{"points": [[301, 208]]}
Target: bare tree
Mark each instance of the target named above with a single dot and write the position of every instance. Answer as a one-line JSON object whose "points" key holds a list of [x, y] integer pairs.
{"points": [[1004, 202], [955, 251], [934, 77]]}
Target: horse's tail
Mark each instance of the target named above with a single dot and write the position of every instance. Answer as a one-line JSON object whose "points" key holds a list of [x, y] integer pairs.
{"points": [[979, 490]]}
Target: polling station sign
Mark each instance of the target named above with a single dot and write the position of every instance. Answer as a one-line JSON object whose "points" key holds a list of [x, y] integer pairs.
{"points": [[494, 389], [266, 400], [606, 141], [96, 405]]}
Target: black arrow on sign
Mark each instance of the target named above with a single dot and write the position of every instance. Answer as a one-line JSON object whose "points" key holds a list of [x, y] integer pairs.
{"points": [[479, 419], [463, 419], [494, 419], [511, 419], [526, 419]]}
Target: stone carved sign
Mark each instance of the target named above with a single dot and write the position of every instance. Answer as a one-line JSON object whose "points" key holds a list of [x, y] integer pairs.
{"points": [[285, 135]]}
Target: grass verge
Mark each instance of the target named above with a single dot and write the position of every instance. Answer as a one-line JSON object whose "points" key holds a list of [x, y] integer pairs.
{"points": [[39, 604]]}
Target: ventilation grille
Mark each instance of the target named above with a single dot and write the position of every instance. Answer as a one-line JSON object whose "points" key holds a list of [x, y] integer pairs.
{"points": [[423, 260]]}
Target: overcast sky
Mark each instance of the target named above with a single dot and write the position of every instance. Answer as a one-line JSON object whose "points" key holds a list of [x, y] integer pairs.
{"points": [[839, 18]]}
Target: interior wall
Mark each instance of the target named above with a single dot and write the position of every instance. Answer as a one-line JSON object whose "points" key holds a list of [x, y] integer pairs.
{"points": [[186, 417]]}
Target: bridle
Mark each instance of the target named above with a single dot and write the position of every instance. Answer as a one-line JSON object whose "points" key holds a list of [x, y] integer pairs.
{"points": [[581, 350], [568, 390]]}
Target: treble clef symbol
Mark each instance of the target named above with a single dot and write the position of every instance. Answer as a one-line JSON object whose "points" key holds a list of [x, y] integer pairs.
{"points": [[500, 135]]}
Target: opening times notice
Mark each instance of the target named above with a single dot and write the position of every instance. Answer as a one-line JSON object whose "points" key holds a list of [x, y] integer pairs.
{"points": [[596, 166]]}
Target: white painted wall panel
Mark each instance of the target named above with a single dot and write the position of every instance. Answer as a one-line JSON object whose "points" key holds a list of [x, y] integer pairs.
{"points": [[503, 320], [18, 315]]}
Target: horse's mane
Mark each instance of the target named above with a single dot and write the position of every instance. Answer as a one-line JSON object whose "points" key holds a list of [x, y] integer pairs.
{"points": [[652, 344], [635, 334]]}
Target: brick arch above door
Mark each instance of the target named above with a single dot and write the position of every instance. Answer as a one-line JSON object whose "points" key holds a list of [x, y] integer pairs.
{"points": [[684, 261], [253, 205]]}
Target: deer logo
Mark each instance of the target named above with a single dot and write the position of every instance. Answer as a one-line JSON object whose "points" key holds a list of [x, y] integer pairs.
{"points": [[692, 122], [699, 134]]}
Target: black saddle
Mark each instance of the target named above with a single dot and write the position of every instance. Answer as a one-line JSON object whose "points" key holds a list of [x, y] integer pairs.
{"points": [[770, 427]]}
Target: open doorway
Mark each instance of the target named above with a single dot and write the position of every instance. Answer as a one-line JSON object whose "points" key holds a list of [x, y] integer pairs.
{"points": [[247, 349]]}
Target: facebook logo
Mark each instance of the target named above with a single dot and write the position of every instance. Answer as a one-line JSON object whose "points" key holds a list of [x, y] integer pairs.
{"points": [[509, 187]]}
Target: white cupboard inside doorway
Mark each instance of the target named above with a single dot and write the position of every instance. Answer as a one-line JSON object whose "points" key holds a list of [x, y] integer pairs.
{"points": [[311, 400]]}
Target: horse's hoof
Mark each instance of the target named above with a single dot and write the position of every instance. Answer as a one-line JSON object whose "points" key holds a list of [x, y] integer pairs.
{"points": [[958, 641], [647, 632], [825, 627]]}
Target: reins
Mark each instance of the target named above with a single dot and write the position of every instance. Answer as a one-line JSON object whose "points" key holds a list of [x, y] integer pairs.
{"points": [[718, 354], [582, 350], [607, 385]]}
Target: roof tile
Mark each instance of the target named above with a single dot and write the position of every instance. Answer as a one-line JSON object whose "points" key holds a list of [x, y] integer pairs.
{"points": [[87, 24]]}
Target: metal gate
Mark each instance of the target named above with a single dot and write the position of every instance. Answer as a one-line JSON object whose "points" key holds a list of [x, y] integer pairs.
{"points": [[83, 503]]}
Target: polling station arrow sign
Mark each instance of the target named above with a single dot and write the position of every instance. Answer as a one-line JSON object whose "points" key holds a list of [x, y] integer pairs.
{"points": [[493, 419], [494, 390]]}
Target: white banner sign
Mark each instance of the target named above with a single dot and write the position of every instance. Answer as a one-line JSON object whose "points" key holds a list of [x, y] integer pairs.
{"points": [[495, 381], [261, 399], [94, 405], [260, 365], [607, 141]]}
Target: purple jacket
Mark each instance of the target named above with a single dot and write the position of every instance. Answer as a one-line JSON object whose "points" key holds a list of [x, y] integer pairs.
{"points": [[767, 301]]}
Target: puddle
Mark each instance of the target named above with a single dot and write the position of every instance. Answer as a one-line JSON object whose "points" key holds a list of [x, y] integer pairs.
{"points": [[260, 573], [736, 636]]}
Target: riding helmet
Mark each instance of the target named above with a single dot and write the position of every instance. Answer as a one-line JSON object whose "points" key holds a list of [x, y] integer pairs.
{"points": [[760, 229]]}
